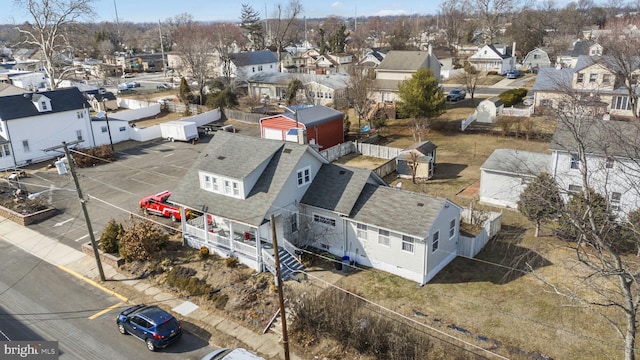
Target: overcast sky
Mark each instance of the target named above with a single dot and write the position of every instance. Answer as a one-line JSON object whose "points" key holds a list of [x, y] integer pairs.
{"points": [[215, 10]]}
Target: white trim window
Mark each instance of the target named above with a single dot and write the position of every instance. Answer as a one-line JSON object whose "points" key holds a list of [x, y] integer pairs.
{"points": [[574, 189], [408, 243], [575, 161], [324, 220], [362, 232], [610, 162], [435, 242], [214, 184], [304, 176], [383, 237], [207, 182], [452, 228], [614, 200], [227, 187], [79, 134], [293, 219], [236, 188]]}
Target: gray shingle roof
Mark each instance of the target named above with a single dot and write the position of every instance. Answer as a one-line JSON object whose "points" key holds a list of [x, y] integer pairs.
{"points": [[21, 106], [517, 162], [551, 79], [397, 210], [336, 188], [253, 58], [237, 156], [609, 138], [407, 60], [315, 115]]}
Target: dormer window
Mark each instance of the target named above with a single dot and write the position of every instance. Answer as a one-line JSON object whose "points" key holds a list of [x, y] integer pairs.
{"points": [[304, 176]]}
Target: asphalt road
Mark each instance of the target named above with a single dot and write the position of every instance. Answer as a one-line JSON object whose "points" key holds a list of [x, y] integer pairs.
{"points": [[39, 301]]}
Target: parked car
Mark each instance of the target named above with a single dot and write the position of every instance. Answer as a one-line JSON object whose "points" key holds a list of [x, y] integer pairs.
{"points": [[457, 94], [231, 354], [513, 74], [156, 327], [128, 75], [163, 86], [133, 84], [528, 101]]}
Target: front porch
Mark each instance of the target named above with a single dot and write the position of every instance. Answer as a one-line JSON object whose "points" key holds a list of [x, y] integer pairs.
{"points": [[251, 246]]}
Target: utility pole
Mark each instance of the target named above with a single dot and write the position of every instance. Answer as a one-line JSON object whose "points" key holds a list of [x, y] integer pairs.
{"points": [[283, 315], [82, 202], [164, 65]]}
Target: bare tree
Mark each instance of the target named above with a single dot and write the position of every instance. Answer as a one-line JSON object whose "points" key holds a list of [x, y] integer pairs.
{"points": [[453, 17], [469, 78], [358, 89], [52, 21], [604, 158], [196, 45], [282, 22], [491, 14]]}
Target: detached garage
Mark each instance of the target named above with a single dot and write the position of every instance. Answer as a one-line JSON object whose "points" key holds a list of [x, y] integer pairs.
{"points": [[322, 125]]}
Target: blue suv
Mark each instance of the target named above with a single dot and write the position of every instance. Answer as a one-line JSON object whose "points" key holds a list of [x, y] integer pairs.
{"points": [[156, 327]]}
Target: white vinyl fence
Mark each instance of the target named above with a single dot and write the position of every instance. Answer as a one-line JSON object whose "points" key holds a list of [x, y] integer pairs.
{"points": [[471, 246], [518, 112]]}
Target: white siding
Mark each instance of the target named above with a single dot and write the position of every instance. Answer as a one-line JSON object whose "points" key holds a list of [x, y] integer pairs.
{"points": [[501, 189]]}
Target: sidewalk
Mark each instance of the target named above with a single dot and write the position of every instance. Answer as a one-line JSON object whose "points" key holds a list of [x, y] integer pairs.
{"points": [[79, 264]]}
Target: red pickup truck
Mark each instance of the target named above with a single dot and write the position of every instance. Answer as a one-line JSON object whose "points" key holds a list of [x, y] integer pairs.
{"points": [[157, 205]]}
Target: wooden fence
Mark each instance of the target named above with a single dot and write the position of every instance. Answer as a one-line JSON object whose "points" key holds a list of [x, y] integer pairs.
{"points": [[242, 116], [378, 151]]}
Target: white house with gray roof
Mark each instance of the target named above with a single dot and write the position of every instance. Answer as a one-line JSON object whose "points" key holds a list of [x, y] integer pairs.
{"points": [[246, 64], [241, 183], [507, 172], [318, 89], [398, 66], [32, 122]]}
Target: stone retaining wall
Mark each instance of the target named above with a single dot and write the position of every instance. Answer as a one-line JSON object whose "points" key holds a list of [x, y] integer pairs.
{"points": [[109, 259], [27, 219]]}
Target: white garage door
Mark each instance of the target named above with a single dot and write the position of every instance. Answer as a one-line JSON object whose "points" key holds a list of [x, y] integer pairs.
{"points": [[273, 134]]}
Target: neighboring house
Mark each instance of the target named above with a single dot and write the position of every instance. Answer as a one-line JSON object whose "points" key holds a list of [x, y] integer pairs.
{"points": [[580, 48], [246, 64], [248, 186], [593, 80], [319, 125], [140, 62], [399, 66], [612, 163], [493, 57], [101, 100], [318, 89], [424, 154], [536, 59], [292, 62], [613, 167], [32, 122], [9, 89], [372, 58], [331, 64], [507, 172], [28, 80], [489, 109]]}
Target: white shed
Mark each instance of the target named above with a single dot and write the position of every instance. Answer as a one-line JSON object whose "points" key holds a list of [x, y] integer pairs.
{"points": [[489, 109]]}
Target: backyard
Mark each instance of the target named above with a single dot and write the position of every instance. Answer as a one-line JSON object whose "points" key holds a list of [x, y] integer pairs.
{"points": [[493, 301]]}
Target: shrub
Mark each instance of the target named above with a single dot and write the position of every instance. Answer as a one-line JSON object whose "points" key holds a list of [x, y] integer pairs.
{"points": [[220, 300], [513, 96], [203, 253], [231, 262], [184, 279], [109, 238], [141, 241], [94, 156]]}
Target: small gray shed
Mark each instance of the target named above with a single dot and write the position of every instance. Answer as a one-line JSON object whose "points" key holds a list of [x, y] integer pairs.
{"points": [[425, 155]]}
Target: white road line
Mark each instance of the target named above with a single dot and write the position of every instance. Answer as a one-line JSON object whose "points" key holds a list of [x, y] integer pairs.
{"points": [[62, 222], [84, 236], [143, 182], [5, 335], [169, 154]]}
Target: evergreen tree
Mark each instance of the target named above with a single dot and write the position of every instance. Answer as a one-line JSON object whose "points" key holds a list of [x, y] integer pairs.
{"points": [[422, 98], [250, 22], [540, 201]]}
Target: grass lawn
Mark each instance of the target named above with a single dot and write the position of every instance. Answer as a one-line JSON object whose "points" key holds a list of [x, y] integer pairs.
{"points": [[492, 301]]}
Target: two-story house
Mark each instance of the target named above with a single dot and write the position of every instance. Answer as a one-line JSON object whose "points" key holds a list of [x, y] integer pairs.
{"points": [[246, 64], [493, 57], [32, 122], [612, 165], [593, 80], [399, 66], [248, 186], [579, 48], [318, 89]]}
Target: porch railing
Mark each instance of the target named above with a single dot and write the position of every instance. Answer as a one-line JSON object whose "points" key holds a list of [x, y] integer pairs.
{"points": [[269, 261], [292, 249], [245, 249]]}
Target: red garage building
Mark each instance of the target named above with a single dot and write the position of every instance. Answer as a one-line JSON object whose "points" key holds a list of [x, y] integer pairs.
{"points": [[323, 126]]}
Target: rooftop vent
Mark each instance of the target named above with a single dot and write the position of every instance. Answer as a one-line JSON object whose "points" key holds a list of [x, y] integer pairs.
{"points": [[341, 172], [221, 157], [287, 151], [420, 204]]}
